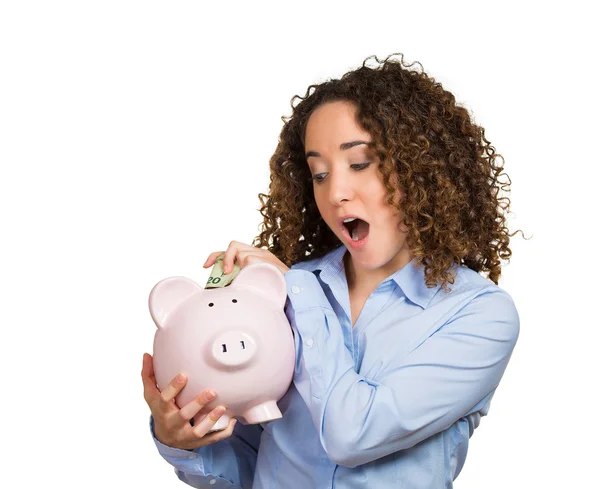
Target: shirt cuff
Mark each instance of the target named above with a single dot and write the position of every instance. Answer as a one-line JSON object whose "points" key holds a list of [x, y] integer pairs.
{"points": [[175, 453]]}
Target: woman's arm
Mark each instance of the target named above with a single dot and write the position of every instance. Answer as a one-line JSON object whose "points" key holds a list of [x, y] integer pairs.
{"points": [[229, 463], [425, 392]]}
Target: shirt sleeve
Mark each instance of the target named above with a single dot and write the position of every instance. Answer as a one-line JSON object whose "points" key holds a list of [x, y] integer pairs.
{"points": [[227, 464], [449, 375]]}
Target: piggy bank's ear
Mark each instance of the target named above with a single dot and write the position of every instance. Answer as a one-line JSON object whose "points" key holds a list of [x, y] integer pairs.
{"points": [[167, 295], [264, 279]]}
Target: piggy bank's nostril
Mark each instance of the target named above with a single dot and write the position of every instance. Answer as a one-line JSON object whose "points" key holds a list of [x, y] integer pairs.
{"points": [[224, 345]]}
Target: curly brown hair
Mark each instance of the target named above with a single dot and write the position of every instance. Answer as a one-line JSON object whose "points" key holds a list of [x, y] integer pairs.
{"points": [[427, 145]]}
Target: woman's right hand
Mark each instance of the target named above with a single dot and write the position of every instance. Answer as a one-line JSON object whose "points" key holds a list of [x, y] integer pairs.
{"points": [[172, 425]]}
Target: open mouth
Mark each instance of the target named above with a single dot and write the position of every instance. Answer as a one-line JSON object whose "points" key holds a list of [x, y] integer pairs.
{"points": [[357, 228]]}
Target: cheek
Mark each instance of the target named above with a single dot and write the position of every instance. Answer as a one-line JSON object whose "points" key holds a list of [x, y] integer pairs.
{"points": [[390, 216], [375, 191], [318, 200], [322, 205], [377, 196]]}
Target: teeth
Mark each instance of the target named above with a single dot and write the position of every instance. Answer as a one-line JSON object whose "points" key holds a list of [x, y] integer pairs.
{"points": [[350, 219]]}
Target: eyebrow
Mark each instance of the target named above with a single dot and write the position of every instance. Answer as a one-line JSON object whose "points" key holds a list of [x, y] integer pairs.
{"points": [[343, 147]]}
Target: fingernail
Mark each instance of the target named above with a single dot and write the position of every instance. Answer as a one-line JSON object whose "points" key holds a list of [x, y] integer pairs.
{"points": [[180, 378], [210, 395], [220, 411]]}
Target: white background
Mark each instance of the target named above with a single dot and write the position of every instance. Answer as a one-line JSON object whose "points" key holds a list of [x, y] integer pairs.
{"points": [[134, 140]]}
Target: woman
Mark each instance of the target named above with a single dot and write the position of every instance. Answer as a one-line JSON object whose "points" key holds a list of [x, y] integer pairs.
{"points": [[384, 203]]}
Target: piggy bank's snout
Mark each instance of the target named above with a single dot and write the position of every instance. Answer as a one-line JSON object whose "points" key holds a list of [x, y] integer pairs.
{"points": [[233, 349]]}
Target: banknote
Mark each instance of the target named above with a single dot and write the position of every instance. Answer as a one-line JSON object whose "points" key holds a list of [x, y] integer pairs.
{"points": [[218, 278]]}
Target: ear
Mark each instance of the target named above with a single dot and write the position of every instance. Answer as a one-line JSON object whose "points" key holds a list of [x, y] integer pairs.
{"points": [[167, 295], [264, 279]]}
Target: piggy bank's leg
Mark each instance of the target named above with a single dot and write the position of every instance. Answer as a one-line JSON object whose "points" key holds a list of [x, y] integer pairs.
{"points": [[261, 413], [221, 423]]}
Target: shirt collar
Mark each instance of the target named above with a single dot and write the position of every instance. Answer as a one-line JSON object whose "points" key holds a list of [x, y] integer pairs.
{"points": [[410, 278]]}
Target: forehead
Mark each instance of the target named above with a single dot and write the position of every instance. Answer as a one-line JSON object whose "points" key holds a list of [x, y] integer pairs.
{"points": [[332, 124]]}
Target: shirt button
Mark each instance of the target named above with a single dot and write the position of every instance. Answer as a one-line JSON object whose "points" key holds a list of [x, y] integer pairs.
{"points": [[309, 342], [213, 481], [295, 289]]}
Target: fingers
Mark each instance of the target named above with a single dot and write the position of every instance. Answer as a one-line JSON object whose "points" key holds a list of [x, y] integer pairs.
{"points": [[151, 392], [244, 254], [209, 421], [240, 253], [221, 435], [212, 258], [230, 256], [170, 392], [193, 407]]}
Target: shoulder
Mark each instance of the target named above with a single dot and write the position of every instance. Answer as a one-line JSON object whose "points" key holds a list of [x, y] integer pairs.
{"points": [[477, 304], [470, 284]]}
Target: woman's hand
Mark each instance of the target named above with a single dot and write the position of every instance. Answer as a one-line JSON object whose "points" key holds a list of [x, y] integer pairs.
{"points": [[244, 255], [172, 425]]}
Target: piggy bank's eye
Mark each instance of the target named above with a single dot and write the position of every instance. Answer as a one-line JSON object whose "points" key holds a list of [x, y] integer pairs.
{"points": [[211, 304], [234, 300]]}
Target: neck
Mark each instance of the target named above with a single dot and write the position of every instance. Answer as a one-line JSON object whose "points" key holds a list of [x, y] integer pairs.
{"points": [[360, 278]]}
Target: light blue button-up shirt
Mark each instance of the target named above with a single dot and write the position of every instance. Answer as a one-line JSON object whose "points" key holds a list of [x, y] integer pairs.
{"points": [[390, 403]]}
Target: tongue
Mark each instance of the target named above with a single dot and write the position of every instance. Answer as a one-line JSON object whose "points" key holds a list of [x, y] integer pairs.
{"points": [[360, 230]]}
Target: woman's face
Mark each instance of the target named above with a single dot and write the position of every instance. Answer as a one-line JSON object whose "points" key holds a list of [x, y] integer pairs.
{"points": [[347, 184]]}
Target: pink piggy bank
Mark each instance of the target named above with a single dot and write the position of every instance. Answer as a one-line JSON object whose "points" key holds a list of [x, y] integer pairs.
{"points": [[235, 340]]}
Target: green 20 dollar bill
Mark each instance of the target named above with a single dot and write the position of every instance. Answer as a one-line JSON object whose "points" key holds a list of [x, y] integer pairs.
{"points": [[217, 276]]}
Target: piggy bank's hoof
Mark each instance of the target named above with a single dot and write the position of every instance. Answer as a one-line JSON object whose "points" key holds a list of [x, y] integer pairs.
{"points": [[262, 413], [221, 423]]}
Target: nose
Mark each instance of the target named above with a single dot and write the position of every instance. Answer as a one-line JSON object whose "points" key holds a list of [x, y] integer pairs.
{"points": [[233, 349], [340, 188]]}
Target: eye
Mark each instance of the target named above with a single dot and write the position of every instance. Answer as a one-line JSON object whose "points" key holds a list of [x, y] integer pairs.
{"points": [[234, 301], [211, 304], [360, 166], [318, 178]]}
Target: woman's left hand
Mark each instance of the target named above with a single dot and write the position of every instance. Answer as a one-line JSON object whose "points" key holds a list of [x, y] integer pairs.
{"points": [[244, 255]]}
